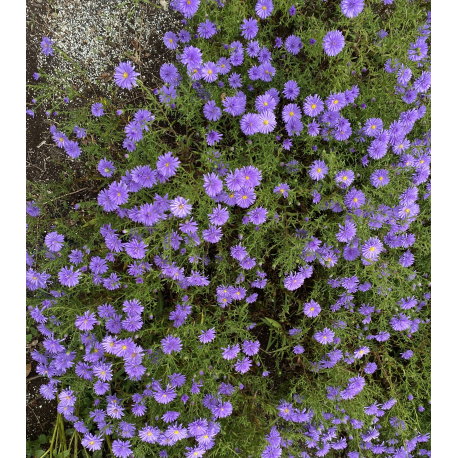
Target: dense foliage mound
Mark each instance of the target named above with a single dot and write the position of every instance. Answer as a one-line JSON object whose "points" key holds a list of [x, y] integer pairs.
{"points": [[252, 279]]}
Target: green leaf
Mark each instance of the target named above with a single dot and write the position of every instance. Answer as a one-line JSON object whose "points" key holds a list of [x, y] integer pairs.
{"points": [[42, 439], [271, 322]]}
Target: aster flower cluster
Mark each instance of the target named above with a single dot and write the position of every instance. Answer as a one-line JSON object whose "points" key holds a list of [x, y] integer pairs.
{"points": [[278, 239]]}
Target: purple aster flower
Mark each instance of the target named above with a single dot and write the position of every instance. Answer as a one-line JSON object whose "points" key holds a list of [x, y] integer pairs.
{"points": [[318, 170], [351, 8], [250, 124], [54, 241], [333, 42], [97, 109], [298, 350], [207, 336], [68, 277], [380, 178], [209, 72], [336, 101], [213, 234], [245, 197], [106, 168], [121, 449], [169, 74], [191, 57], [372, 248], [46, 46], [264, 8], [373, 127], [293, 44], [212, 184], [354, 198], [170, 40], [180, 207], [267, 121], [324, 337], [258, 215], [251, 348], [370, 368], [213, 137], [282, 189], [253, 48], [206, 29], [292, 10], [167, 165], [219, 216], [125, 75], [249, 28], [36, 76], [189, 7], [170, 344], [291, 90], [86, 321], [344, 178], [418, 50], [211, 111], [313, 105], [243, 365], [312, 309], [92, 442], [235, 81], [407, 259], [407, 355], [224, 409], [230, 353]]}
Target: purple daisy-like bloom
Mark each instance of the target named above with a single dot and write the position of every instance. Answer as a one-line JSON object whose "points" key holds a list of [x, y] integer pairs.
{"points": [[250, 124], [191, 57], [243, 365], [372, 248], [86, 321], [230, 353], [344, 178], [209, 72], [264, 8], [125, 75], [46, 46], [370, 368], [282, 189], [206, 29], [291, 111], [211, 111], [407, 259], [213, 234], [253, 48], [312, 309], [118, 193], [207, 336], [267, 122], [293, 44], [30, 113], [291, 90], [164, 396], [251, 348], [249, 28], [54, 241], [219, 216], [354, 198], [212, 184], [360, 352], [235, 81], [378, 149], [380, 178], [68, 277], [265, 102], [170, 40], [324, 337], [333, 42], [313, 105], [167, 165], [318, 170], [245, 197], [180, 207], [336, 101], [407, 355], [149, 434], [189, 7], [258, 215], [92, 442], [213, 137], [169, 74], [121, 449], [170, 344], [373, 127], [106, 168], [293, 281], [313, 129], [351, 8], [97, 110]]}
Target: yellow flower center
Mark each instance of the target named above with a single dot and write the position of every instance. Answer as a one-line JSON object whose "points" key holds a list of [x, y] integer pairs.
{"points": [[176, 432], [312, 309], [282, 191], [103, 373], [265, 104], [336, 102], [125, 75], [167, 164], [355, 200], [344, 178], [149, 433], [195, 70], [171, 40], [181, 206], [264, 8], [286, 410], [266, 122], [407, 210], [380, 178], [61, 139], [124, 347], [232, 195], [291, 113], [244, 197], [373, 126], [318, 170], [223, 65], [372, 248], [210, 72], [92, 442], [313, 106]]}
